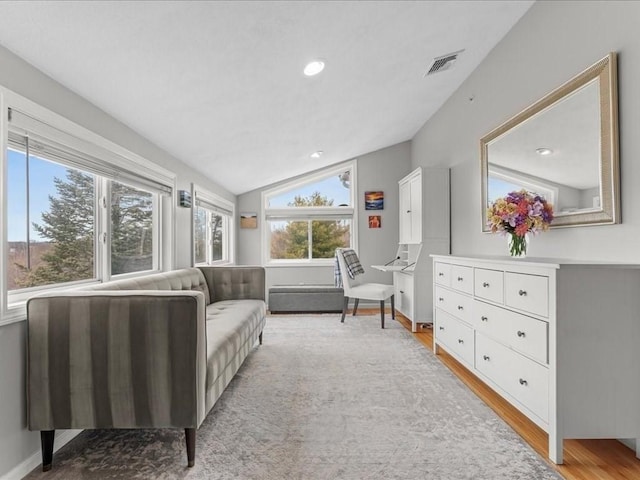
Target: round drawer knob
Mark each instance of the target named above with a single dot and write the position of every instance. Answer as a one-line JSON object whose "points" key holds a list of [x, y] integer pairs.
{"points": [[440, 274], [460, 307], [460, 279], [401, 291], [441, 299], [460, 340], [521, 334], [484, 319], [485, 358], [522, 293], [485, 284], [523, 381]]}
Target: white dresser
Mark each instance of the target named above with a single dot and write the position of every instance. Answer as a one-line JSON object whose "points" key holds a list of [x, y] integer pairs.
{"points": [[560, 340]]}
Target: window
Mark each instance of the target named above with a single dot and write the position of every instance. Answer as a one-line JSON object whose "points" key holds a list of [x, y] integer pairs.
{"points": [[212, 228], [74, 215], [502, 181], [306, 220]]}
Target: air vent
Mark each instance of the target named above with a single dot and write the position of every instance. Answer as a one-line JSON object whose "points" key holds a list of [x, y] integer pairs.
{"points": [[442, 63]]}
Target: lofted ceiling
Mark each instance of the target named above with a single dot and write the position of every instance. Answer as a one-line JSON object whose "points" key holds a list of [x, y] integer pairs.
{"points": [[219, 85]]}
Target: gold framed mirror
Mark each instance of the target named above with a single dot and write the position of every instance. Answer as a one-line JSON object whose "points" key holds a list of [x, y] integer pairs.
{"points": [[564, 147]]}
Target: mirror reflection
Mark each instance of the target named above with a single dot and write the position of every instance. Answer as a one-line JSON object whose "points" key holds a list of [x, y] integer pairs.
{"points": [[563, 148]]}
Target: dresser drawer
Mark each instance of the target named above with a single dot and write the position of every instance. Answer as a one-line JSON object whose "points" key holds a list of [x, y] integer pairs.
{"points": [[524, 334], [489, 284], [462, 278], [454, 303], [529, 293], [520, 377], [442, 273], [456, 337]]}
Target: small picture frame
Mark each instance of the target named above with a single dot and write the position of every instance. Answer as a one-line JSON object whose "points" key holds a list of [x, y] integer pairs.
{"points": [[248, 220], [375, 221], [374, 200]]}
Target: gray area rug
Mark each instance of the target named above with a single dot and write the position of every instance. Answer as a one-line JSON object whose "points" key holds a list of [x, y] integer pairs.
{"points": [[324, 400]]}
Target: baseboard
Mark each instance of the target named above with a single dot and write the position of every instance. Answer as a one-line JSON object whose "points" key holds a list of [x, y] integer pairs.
{"points": [[22, 469]]}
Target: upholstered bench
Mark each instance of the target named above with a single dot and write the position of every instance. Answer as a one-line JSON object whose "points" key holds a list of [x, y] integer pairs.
{"points": [[305, 298]]}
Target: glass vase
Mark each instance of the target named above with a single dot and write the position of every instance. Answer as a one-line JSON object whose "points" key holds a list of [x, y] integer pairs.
{"points": [[518, 245]]}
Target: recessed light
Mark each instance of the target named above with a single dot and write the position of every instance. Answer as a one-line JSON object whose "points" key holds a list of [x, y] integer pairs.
{"points": [[317, 154], [544, 151], [313, 68]]}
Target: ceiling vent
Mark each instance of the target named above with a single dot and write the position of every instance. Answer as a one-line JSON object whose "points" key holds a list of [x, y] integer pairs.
{"points": [[442, 63]]}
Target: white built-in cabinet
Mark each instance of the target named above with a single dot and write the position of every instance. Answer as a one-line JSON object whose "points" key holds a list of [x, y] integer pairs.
{"points": [[559, 340], [424, 229]]}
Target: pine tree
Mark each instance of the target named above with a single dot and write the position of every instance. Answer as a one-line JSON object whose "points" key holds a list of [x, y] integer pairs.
{"points": [[291, 241], [69, 226], [131, 229]]}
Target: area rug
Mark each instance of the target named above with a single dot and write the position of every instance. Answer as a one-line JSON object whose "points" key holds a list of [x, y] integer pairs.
{"points": [[323, 400]]}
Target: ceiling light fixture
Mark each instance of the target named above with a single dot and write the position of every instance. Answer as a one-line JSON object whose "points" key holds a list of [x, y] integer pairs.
{"points": [[313, 68], [544, 151], [317, 154]]}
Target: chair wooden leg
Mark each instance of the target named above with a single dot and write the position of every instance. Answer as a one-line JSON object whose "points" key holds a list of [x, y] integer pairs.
{"points": [[393, 308], [260, 338], [344, 308], [355, 306], [190, 437], [46, 441], [382, 312]]}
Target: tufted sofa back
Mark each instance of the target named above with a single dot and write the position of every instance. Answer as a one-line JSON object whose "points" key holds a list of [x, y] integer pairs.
{"points": [[183, 279]]}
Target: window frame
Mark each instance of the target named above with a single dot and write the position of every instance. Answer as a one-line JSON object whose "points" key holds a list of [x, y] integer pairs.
{"points": [[110, 155], [309, 214], [223, 207]]}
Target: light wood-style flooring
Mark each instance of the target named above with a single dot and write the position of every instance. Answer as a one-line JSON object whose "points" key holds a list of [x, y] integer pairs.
{"points": [[584, 459]]}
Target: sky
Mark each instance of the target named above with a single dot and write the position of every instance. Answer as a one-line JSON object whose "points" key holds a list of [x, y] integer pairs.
{"points": [[331, 187], [41, 185]]}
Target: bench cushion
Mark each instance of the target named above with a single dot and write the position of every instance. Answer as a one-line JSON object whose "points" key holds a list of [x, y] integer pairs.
{"points": [[305, 298]]}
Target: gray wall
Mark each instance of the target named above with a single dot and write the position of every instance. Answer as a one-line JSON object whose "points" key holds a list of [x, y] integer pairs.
{"points": [[379, 170], [551, 43], [16, 443]]}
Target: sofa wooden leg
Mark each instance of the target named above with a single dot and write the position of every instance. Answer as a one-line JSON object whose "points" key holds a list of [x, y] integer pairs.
{"points": [[260, 338], [46, 440], [190, 437], [344, 308]]}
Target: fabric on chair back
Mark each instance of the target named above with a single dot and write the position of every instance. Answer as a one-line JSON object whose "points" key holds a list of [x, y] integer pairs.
{"points": [[352, 263]]}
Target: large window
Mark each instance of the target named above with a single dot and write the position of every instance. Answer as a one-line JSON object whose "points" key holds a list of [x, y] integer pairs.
{"points": [[212, 229], [72, 216], [306, 220]]}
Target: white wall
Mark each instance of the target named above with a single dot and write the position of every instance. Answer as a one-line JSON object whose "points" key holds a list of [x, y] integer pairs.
{"points": [[551, 43], [379, 170], [16, 443]]}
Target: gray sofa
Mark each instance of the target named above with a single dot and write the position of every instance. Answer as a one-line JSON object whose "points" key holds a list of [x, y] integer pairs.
{"points": [[151, 352]]}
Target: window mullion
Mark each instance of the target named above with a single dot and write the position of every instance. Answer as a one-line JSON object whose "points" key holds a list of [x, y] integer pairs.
{"points": [[103, 229], [309, 240]]}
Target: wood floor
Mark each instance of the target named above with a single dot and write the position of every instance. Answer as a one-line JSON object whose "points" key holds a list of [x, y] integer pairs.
{"points": [[584, 459]]}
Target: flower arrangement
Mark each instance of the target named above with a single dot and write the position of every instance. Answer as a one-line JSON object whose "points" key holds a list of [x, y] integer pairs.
{"points": [[518, 214]]}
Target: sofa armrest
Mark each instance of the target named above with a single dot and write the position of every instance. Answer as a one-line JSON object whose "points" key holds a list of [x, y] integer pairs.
{"points": [[116, 359], [235, 283]]}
